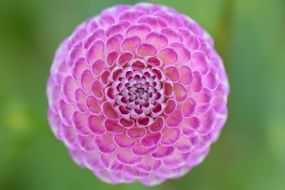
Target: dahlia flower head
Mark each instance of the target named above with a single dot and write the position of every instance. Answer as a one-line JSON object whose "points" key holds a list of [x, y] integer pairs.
{"points": [[137, 93]]}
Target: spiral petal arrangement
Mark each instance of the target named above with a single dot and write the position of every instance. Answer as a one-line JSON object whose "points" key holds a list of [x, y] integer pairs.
{"points": [[138, 93]]}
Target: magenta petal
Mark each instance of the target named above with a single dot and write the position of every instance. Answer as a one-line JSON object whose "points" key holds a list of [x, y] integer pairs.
{"points": [[139, 149], [162, 151], [156, 39], [66, 111], [69, 88], [146, 50], [136, 132], [180, 92], [80, 97], [168, 56], [188, 107], [93, 104], [170, 136], [109, 111], [86, 79], [149, 164], [174, 119], [113, 126], [140, 30], [172, 73], [124, 141], [151, 139], [86, 143], [80, 123], [185, 75], [98, 67], [131, 43], [106, 143], [95, 125], [157, 124], [96, 51], [127, 157]]}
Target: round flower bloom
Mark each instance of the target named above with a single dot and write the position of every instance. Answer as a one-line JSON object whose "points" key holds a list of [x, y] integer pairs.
{"points": [[138, 93]]}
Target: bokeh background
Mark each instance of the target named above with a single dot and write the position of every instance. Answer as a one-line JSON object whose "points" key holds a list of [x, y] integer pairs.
{"points": [[250, 154]]}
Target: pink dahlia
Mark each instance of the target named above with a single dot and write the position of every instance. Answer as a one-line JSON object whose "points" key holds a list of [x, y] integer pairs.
{"points": [[138, 93]]}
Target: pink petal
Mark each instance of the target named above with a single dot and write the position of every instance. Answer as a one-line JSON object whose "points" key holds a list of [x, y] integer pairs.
{"points": [[114, 29], [131, 43], [139, 149], [69, 87], [199, 63], [109, 111], [143, 121], [204, 96], [127, 157], [138, 65], [168, 89], [170, 136], [79, 120], [69, 135], [157, 124], [163, 151], [131, 15], [154, 61], [96, 51], [190, 124], [211, 80], [86, 79], [140, 30], [98, 67], [174, 119], [185, 74], [170, 106], [93, 104], [206, 122], [124, 141], [172, 36], [78, 68], [197, 82], [106, 144], [97, 89], [168, 56], [98, 34], [105, 76], [188, 107], [156, 39], [125, 57], [146, 50], [114, 42], [66, 111], [186, 144], [151, 139], [136, 132], [111, 58], [172, 73], [113, 126], [86, 143], [174, 161], [154, 22], [182, 53], [149, 164], [180, 92], [95, 125], [80, 97], [126, 123]]}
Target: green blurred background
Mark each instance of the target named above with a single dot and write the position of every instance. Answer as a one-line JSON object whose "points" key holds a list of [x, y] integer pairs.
{"points": [[250, 154]]}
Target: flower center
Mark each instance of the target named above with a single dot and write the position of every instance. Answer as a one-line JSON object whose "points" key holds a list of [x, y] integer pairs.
{"points": [[136, 91]]}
